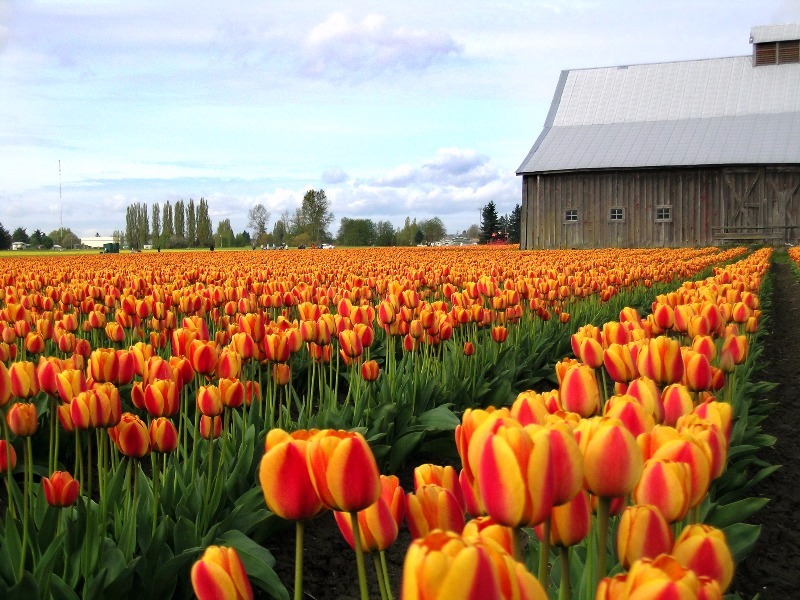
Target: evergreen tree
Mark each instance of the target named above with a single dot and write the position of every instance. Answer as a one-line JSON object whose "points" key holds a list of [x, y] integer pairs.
{"points": [[489, 222], [191, 224], [179, 228], [515, 225], [20, 235], [5, 238], [204, 234], [156, 225], [167, 223]]}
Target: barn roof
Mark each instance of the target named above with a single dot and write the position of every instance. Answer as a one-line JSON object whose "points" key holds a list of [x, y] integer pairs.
{"points": [[689, 113]]}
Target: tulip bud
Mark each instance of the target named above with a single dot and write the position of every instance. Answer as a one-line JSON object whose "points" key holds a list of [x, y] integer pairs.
{"points": [[666, 485], [60, 489], [579, 392], [22, 419], [8, 456], [24, 383], [163, 435], [643, 533], [131, 436], [704, 550], [611, 459], [285, 480], [219, 573], [209, 400], [343, 470], [210, 427]]}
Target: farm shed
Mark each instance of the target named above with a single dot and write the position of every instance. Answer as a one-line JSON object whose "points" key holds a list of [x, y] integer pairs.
{"points": [[687, 153]]}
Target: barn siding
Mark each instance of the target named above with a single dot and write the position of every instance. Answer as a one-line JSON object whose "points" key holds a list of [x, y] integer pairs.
{"points": [[701, 198]]}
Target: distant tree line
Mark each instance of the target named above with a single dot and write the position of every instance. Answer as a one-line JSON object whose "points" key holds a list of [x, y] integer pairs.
{"points": [[188, 225]]}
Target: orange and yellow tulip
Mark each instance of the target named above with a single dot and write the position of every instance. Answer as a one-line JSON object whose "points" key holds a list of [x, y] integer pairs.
{"points": [[219, 573]]}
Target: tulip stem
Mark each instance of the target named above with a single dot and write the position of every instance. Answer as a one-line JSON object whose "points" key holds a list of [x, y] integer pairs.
{"points": [[381, 583], [603, 509], [11, 509], [564, 590], [386, 576], [544, 555], [362, 574], [298, 560], [25, 503]]}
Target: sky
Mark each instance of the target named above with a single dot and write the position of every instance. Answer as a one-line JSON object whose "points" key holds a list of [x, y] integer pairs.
{"points": [[396, 109]]}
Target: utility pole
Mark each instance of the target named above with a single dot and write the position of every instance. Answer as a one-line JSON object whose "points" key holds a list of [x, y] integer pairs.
{"points": [[61, 206]]}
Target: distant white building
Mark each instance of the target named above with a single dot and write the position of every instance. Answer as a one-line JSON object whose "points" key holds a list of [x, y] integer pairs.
{"points": [[97, 241], [19, 245]]}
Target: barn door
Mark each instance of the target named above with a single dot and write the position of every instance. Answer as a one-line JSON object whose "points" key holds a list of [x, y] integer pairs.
{"points": [[745, 193], [785, 190]]}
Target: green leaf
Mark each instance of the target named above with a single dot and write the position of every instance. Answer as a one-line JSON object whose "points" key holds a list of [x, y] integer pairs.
{"points": [[440, 418], [185, 536], [44, 566], [10, 552], [60, 590], [736, 512], [164, 580], [402, 448], [741, 538], [258, 562], [25, 589]]}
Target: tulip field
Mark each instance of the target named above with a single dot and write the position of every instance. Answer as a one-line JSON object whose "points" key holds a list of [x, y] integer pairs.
{"points": [[168, 416]]}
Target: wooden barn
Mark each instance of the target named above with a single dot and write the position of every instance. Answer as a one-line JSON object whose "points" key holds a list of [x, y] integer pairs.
{"points": [[690, 153]]}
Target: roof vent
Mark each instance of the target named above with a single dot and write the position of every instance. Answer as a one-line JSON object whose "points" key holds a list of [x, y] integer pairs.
{"points": [[776, 44]]}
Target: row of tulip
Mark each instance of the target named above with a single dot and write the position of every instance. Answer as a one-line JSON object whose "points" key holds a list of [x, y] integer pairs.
{"points": [[215, 432], [541, 464]]}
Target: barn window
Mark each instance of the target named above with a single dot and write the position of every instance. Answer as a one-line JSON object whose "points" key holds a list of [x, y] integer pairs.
{"points": [[663, 214], [571, 215], [617, 214]]}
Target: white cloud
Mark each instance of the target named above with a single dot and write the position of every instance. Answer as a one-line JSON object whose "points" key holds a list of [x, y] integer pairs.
{"points": [[343, 50]]}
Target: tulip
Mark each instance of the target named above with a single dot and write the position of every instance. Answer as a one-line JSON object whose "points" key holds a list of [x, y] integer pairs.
{"points": [[529, 408], [662, 578], [343, 470], [5, 386], [579, 392], [229, 364], [444, 565], [432, 507], [377, 524], [704, 550], [24, 383], [569, 522], [370, 370], [202, 355], [631, 412], [161, 398], [345, 476], [734, 352], [281, 373], [209, 400], [660, 360], [666, 485], [677, 402], [219, 573], [499, 334], [486, 528], [22, 419], [8, 456], [690, 452], [445, 477], [60, 489], [104, 365], [210, 427], [697, 372], [619, 363], [163, 435], [590, 352], [647, 393], [231, 392], [285, 480], [643, 533], [514, 475], [612, 465], [131, 436], [47, 374], [469, 349]]}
